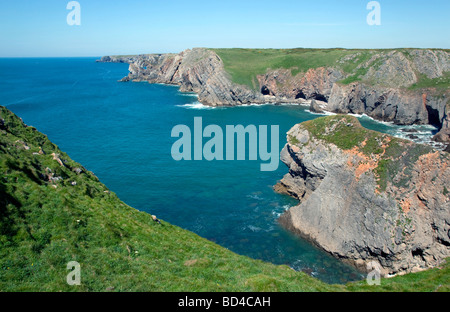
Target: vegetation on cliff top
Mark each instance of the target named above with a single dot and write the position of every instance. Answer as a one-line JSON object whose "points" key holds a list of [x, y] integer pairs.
{"points": [[392, 154], [52, 211], [244, 65]]}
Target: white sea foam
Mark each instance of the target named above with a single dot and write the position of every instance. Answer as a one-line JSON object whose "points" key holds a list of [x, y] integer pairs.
{"points": [[189, 94], [167, 84], [254, 104], [196, 105], [254, 196], [324, 113], [277, 213], [269, 103], [254, 228], [360, 116]]}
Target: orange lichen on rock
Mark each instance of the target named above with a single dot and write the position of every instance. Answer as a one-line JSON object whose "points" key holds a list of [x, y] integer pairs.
{"points": [[406, 205], [365, 162]]}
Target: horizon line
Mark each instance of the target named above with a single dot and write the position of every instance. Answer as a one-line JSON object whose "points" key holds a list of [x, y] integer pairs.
{"points": [[241, 48]]}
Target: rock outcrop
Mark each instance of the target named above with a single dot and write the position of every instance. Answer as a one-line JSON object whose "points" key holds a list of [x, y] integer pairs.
{"points": [[444, 134], [387, 104], [365, 196], [316, 83]]}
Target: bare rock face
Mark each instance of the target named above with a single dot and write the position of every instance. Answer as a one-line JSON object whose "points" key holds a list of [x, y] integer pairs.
{"points": [[365, 196], [447, 149], [387, 104], [444, 134], [432, 63], [391, 69], [317, 107], [314, 84]]}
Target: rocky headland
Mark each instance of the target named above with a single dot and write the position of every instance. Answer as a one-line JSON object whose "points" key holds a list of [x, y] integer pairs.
{"points": [[366, 196], [404, 86]]}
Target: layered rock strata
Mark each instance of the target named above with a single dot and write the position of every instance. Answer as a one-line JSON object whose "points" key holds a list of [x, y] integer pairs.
{"points": [[367, 197]]}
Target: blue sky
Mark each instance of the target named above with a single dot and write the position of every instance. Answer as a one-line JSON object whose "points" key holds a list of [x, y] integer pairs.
{"points": [[39, 28]]}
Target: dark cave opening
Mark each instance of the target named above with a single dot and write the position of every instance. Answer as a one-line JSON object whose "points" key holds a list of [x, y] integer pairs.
{"points": [[265, 90], [433, 117], [319, 97], [300, 95]]}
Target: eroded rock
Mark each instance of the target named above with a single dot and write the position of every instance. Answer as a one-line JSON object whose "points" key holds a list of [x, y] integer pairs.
{"points": [[367, 197]]}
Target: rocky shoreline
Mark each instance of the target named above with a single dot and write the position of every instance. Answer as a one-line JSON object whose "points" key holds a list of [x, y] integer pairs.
{"points": [[384, 92]]}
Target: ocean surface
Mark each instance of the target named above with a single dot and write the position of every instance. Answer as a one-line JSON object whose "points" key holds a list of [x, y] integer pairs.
{"points": [[122, 132]]}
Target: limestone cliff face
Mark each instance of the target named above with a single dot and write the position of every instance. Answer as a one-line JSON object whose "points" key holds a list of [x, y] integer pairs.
{"points": [[197, 70], [387, 104], [367, 197], [314, 84]]}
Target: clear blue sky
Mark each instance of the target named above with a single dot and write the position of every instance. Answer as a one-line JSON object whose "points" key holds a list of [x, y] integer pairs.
{"points": [[39, 28]]}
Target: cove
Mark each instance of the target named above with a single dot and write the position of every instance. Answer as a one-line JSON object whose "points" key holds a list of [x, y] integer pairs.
{"points": [[122, 132]]}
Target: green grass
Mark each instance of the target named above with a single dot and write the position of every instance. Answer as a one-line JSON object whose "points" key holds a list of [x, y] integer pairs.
{"points": [[346, 134], [42, 228], [441, 84], [355, 77], [293, 140], [434, 280]]}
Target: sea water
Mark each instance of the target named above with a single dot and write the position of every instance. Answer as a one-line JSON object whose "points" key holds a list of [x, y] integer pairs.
{"points": [[122, 132]]}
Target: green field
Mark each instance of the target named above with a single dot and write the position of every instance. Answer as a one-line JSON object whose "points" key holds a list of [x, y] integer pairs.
{"points": [[52, 211]]}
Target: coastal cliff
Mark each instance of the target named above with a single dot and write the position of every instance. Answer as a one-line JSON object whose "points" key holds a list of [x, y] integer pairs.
{"points": [[365, 196], [197, 70], [404, 86]]}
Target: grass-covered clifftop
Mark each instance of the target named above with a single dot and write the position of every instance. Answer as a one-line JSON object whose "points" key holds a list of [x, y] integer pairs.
{"points": [[53, 210], [245, 64], [392, 155], [365, 65]]}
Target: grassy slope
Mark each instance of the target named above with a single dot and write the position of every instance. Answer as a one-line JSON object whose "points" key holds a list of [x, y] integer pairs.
{"points": [[42, 228], [245, 64]]}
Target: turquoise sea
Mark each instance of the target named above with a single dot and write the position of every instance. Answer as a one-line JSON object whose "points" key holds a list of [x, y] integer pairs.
{"points": [[122, 132]]}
